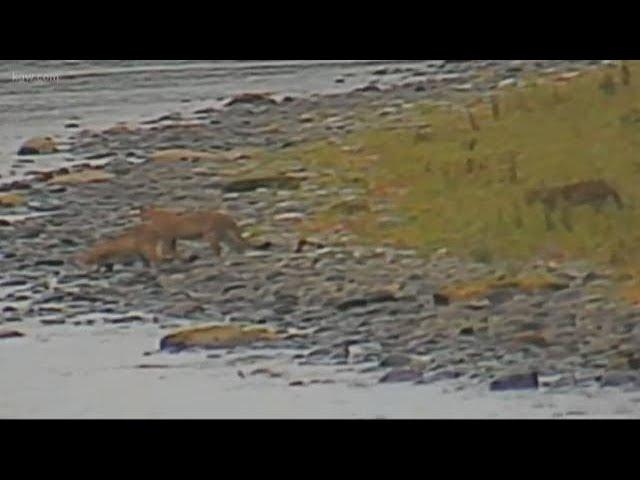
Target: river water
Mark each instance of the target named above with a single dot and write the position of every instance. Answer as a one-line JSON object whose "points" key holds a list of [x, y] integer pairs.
{"points": [[40, 97]]}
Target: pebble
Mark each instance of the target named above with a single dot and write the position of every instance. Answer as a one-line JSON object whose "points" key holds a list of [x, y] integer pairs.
{"points": [[440, 376], [396, 360], [524, 381], [4, 334], [402, 376], [507, 82]]}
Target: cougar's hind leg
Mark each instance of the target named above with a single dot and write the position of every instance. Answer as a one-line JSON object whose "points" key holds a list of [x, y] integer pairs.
{"points": [[151, 254], [617, 200], [167, 249], [153, 257], [175, 252], [145, 261], [173, 247], [214, 241]]}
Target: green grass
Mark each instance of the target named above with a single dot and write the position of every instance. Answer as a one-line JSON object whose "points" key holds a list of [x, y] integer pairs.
{"points": [[436, 192]]}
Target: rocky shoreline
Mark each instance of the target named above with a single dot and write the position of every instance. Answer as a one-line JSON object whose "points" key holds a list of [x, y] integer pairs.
{"points": [[374, 310]]}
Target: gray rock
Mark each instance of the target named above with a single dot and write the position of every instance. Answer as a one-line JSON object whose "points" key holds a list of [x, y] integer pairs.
{"points": [[52, 320], [478, 304], [362, 352], [372, 298], [522, 381], [441, 376], [508, 82], [556, 380], [5, 334], [396, 360], [184, 309], [619, 378], [401, 376], [29, 231], [124, 319], [500, 296]]}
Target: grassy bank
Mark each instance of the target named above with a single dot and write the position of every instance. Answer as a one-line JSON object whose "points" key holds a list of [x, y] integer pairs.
{"points": [[456, 176]]}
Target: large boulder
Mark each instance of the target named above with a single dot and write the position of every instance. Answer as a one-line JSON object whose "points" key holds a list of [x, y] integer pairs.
{"points": [[217, 336], [38, 146]]}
